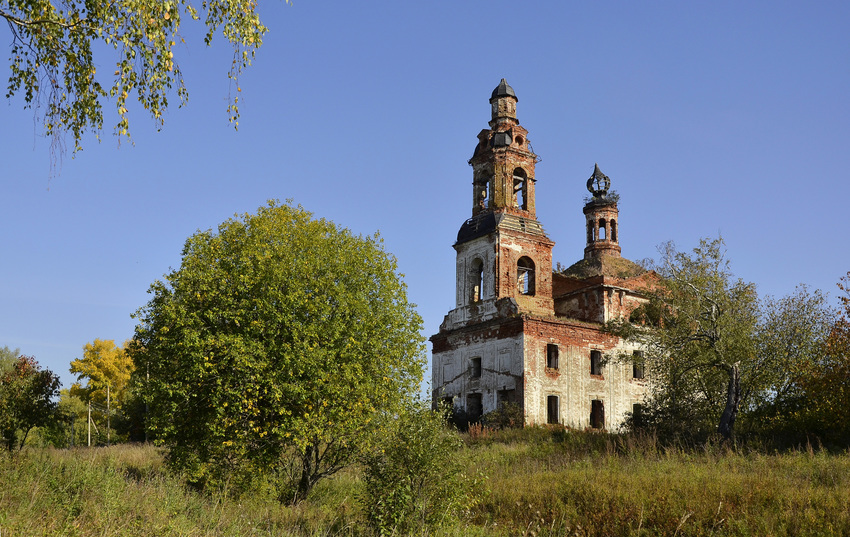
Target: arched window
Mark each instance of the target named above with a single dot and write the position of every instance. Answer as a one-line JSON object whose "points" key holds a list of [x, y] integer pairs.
{"points": [[589, 231], [613, 231], [602, 229], [525, 276], [520, 198], [476, 280], [482, 193]]}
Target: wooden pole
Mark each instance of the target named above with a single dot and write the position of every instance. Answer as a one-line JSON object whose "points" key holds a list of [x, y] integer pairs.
{"points": [[108, 415], [147, 383]]}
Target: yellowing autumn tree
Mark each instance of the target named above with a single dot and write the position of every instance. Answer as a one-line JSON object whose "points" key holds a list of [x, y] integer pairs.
{"points": [[103, 364]]}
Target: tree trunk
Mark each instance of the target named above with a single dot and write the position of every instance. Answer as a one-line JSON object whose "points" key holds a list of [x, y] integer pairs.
{"points": [[308, 472], [733, 397]]}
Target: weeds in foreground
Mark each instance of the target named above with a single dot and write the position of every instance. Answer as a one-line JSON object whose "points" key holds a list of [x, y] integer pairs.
{"points": [[541, 482], [557, 482]]}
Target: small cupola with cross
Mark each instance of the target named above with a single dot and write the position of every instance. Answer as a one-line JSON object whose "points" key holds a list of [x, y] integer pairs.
{"points": [[601, 216]]}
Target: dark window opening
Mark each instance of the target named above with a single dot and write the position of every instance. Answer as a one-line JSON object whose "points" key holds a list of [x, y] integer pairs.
{"points": [[597, 414], [475, 368], [589, 231], [552, 410], [637, 414], [638, 363], [525, 276], [482, 198], [595, 362], [552, 356], [474, 407], [505, 396], [602, 229], [477, 280], [520, 197], [613, 231]]}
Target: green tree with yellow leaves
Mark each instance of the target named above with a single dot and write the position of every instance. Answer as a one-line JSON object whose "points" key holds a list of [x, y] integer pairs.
{"points": [[274, 349], [69, 57]]}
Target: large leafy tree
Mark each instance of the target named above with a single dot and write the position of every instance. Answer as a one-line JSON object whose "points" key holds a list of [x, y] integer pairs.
{"points": [[54, 44], [279, 339], [27, 395], [698, 328]]}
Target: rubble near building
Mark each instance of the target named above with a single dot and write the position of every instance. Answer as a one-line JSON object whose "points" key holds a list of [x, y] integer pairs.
{"points": [[521, 332]]}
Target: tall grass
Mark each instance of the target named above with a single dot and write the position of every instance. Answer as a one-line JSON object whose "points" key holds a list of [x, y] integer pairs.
{"points": [[541, 482], [561, 483], [125, 490]]}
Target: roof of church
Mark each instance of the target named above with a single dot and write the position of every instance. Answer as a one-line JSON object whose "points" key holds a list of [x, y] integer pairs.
{"points": [[502, 90], [615, 267], [488, 221]]}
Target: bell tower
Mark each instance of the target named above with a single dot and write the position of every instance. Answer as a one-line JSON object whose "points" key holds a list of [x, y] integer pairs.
{"points": [[503, 161], [503, 252]]}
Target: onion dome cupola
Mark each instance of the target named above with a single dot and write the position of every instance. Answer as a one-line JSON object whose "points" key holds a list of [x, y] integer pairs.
{"points": [[601, 216]]}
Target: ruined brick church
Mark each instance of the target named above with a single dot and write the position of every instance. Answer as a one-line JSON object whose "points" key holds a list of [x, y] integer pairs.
{"points": [[521, 332]]}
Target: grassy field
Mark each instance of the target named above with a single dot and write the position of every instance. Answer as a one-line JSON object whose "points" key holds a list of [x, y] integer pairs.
{"points": [[539, 482]]}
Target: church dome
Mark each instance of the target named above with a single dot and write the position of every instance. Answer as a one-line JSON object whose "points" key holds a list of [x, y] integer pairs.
{"points": [[503, 90]]}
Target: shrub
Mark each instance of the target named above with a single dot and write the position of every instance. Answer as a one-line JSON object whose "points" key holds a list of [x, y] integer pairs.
{"points": [[416, 480], [507, 416]]}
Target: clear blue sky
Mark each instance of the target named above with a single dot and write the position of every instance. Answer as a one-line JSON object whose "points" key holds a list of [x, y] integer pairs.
{"points": [[721, 117]]}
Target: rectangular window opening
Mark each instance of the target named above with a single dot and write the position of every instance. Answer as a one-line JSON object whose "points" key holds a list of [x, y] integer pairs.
{"points": [[552, 410], [597, 414], [637, 414], [475, 367], [474, 407], [595, 362], [638, 363], [505, 396], [552, 356]]}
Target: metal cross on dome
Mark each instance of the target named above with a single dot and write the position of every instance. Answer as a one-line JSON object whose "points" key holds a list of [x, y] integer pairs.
{"points": [[599, 183]]}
